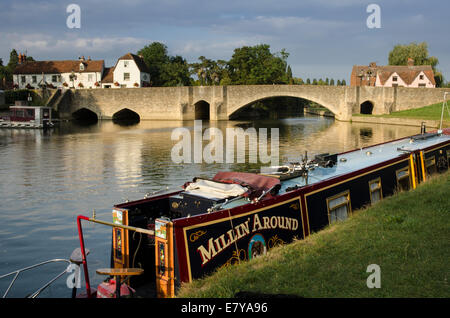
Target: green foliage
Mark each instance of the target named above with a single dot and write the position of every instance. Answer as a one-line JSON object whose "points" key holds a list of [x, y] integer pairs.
{"points": [[257, 65], [165, 70], [419, 52]]}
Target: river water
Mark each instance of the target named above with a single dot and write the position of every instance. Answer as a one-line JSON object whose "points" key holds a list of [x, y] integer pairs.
{"points": [[48, 178]]}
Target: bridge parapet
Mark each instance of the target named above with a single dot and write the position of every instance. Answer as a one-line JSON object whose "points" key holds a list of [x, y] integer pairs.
{"points": [[180, 103]]}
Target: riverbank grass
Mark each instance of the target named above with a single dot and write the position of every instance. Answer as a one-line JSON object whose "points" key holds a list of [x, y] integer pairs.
{"points": [[405, 234]]}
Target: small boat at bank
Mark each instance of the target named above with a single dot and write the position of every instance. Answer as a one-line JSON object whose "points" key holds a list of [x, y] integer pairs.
{"points": [[168, 238], [27, 117]]}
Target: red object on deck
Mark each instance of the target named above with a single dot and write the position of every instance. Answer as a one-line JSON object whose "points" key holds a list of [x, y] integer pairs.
{"points": [[108, 290], [255, 182]]}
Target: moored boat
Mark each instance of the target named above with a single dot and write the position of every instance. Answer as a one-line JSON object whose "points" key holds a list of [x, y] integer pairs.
{"points": [[28, 117], [235, 216]]}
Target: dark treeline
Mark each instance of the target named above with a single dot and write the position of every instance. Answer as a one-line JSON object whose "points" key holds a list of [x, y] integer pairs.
{"points": [[249, 65]]}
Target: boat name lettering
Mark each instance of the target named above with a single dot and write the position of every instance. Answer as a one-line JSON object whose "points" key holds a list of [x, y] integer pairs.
{"points": [[216, 245]]}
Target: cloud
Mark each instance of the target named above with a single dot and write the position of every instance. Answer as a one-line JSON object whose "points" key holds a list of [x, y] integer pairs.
{"points": [[68, 46]]}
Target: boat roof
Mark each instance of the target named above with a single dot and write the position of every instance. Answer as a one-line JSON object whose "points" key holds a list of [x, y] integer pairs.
{"points": [[29, 107], [358, 159], [365, 157]]}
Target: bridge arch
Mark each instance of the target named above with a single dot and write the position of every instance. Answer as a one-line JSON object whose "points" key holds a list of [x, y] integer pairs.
{"points": [[202, 110], [366, 107], [85, 114], [126, 116], [240, 108], [329, 97], [265, 108]]}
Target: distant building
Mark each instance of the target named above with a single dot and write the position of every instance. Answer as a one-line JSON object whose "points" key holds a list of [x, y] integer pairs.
{"points": [[81, 73], [129, 71], [393, 75]]}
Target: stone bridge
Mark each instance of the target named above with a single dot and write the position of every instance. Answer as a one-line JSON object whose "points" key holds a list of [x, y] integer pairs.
{"points": [[221, 102]]}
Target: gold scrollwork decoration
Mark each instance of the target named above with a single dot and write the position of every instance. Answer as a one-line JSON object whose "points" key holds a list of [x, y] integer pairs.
{"points": [[236, 258], [196, 235], [275, 241]]}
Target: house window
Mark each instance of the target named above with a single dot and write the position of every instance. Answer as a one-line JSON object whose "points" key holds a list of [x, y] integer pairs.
{"points": [[54, 78], [394, 78], [34, 79], [125, 63], [338, 207], [430, 165], [22, 79], [422, 85], [126, 76], [394, 85], [421, 77], [90, 77], [403, 179], [376, 194]]}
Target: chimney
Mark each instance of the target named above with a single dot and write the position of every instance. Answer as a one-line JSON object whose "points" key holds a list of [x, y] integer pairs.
{"points": [[410, 61], [20, 58], [373, 64]]}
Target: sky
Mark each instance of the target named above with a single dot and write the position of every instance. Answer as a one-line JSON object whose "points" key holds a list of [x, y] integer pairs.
{"points": [[324, 38]]}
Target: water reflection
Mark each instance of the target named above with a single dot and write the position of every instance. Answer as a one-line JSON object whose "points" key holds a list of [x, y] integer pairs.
{"points": [[47, 178]]}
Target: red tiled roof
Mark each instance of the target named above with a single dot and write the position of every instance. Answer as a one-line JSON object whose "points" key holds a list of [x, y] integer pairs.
{"points": [[52, 67], [405, 72], [108, 75]]}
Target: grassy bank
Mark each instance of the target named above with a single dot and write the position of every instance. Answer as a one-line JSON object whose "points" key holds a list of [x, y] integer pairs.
{"points": [[407, 235], [430, 112]]}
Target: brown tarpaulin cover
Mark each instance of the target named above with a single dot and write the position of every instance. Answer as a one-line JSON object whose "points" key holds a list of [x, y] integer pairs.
{"points": [[257, 183]]}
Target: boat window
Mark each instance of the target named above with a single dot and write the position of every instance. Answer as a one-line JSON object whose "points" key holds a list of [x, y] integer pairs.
{"points": [[338, 207], [376, 194], [430, 165], [403, 179], [30, 113]]}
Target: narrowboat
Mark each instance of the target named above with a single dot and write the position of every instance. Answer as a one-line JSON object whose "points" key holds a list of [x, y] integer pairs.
{"points": [[27, 117], [168, 238]]}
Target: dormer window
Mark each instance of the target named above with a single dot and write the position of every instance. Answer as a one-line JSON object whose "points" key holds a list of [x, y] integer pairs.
{"points": [[81, 67]]}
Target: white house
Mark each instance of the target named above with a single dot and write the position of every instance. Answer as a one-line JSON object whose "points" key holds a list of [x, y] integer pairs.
{"points": [[130, 71], [81, 73]]}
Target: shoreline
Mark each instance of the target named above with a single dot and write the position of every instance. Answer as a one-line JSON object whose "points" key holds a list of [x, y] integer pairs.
{"points": [[397, 121]]}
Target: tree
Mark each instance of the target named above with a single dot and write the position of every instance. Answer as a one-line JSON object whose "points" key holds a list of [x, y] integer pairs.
{"points": [[165, 70], [176, 72], [338, 83], [308, 81], [289, 75], [343, 82], [257, 65], [419, 52], [155, 57], [332, 82]]}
